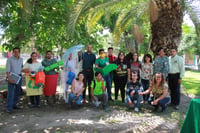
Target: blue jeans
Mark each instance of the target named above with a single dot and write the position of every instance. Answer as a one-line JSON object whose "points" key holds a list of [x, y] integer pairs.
{"points": [[136, 99], [162, 102], [77, 101], [108, 85], [13, 95]]}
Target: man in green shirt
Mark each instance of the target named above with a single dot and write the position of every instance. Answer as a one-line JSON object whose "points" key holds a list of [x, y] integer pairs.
{"points": [[98, 90], [100, 63], [47, 62], [176, 72]]}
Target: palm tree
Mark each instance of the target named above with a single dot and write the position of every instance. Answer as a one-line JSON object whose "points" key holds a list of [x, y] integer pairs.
{"points": [[166, 18], [128, 16]]}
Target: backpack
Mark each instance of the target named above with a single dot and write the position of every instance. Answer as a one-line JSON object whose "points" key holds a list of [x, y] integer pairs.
{"points": [[94, 84]]}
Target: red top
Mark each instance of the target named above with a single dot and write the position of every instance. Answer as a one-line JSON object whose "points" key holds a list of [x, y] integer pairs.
{"points": [[112, 58]]}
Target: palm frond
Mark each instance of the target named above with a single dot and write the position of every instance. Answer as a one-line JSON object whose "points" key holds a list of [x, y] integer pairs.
{"points": [[79, 7], [153, 11], [124, 19], [92, 20], [25, 6], [137, 33]]}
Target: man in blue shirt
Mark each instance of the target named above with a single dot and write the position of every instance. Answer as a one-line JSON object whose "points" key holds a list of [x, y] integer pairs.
{"points": [[88, 61], [14, 65]]}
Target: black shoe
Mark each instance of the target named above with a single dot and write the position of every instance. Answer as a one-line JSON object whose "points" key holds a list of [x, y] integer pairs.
{"points": [[163, 109], [31, 106], [38, 106], [171, 104], [16, 107], [110, 99]]}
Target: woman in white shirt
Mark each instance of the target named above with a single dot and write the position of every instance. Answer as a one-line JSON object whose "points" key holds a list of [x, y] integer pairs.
{"points": [[78, 86], [32, 66]]}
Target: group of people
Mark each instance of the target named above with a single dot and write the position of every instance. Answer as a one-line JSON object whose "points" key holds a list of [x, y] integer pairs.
{"points": [[146, 81], [14, 65]]}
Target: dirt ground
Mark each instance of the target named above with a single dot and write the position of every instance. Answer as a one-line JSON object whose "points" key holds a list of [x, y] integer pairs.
{"points": [[58, 117]]}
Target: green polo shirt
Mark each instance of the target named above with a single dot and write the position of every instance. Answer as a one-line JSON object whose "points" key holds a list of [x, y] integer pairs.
{"points": [[47, 63], [102, 63], [98, 90]]}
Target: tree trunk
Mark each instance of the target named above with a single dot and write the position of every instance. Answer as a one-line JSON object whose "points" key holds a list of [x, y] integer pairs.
{"points": [[166, 29], [131, 44]]}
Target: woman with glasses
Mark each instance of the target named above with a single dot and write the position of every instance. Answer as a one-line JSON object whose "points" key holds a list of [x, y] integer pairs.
{"points": [[32, 66], [135, 64], [121, 75], [158, 89]]}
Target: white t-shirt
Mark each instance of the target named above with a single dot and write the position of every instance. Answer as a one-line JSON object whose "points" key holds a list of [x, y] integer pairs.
{"points": [[34, 66], [71, 64]]}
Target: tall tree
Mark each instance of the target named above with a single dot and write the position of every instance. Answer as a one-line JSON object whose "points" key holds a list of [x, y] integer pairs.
{"points": [[166, 19]]}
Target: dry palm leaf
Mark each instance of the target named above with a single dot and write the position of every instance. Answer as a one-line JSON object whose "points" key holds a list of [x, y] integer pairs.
{"points": [[153, 11], [137, 33]]}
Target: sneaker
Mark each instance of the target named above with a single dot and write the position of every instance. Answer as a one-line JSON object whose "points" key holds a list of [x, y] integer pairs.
{"points": [[136, 109], [8, 111], [66, 100], [135, 101], [31, 106], [176, 107], [38, 106]]}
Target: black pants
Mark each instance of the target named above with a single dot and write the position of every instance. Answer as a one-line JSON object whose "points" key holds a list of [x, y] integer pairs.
{"points": [[89, 75], [120, 83], [145, 84], [35, 100], [174, 87]]}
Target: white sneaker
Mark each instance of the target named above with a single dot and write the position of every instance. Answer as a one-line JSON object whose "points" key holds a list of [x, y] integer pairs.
{"points": [[136, 109]]}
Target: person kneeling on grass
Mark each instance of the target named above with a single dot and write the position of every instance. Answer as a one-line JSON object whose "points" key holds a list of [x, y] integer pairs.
{"points": [[98, 90], [78, 86], [159, 89], [132, 92]]}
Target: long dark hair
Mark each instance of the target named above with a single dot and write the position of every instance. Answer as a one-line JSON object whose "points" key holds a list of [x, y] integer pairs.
{"points": [[147, 55], [84, 80], [30, 61], [119, 55], [137, 57]]}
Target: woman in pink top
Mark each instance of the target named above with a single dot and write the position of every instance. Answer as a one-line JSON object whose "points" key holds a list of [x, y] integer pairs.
{"points": [[78, 86]]}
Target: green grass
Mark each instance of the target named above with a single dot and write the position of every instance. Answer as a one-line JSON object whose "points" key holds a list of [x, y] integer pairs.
{"points": [[2, 69], [191, 82]]}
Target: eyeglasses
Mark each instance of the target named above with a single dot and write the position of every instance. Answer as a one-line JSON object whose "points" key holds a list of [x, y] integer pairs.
{"points": [[158, 77]]}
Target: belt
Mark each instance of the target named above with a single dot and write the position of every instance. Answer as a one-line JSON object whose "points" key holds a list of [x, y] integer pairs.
{"points": [[174, 73], [88, 70]]}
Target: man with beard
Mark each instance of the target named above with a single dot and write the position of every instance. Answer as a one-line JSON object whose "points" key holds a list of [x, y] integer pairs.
{"points": [[48, 61]]}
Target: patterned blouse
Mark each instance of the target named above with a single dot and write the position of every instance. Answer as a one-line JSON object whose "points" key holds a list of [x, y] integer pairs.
{"points": [[161, 65], [157, 92], [147, 71]]}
